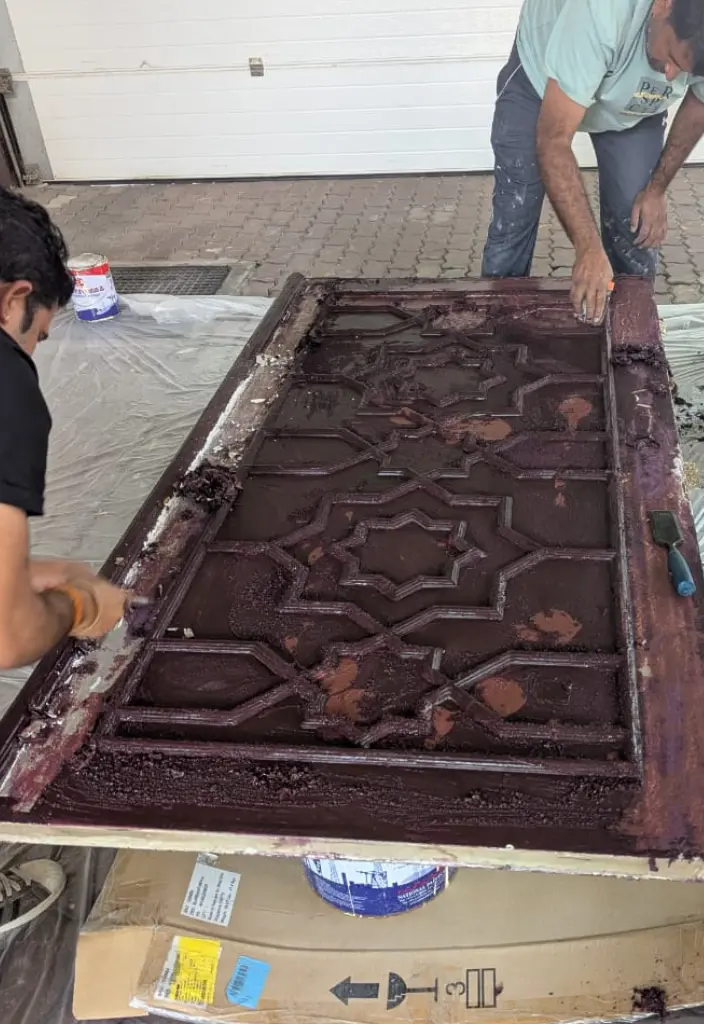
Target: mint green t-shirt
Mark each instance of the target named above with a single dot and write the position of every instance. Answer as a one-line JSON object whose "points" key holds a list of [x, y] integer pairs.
{"points": [[596, 52]]}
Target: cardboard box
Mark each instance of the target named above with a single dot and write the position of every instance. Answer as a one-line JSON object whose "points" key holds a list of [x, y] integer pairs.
{"points": [[244, 939]]}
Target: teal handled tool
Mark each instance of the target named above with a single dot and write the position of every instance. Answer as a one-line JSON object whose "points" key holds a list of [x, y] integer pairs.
{"points": [[667, 533]]}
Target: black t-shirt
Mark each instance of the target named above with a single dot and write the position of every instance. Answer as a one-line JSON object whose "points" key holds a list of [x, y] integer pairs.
{"points": [[24, 430]]}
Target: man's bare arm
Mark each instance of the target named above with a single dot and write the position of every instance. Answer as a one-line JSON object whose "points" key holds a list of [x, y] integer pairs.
{"points": [[560, 117], [35, 613], [30, 623], [649, 217], [687, 129]]}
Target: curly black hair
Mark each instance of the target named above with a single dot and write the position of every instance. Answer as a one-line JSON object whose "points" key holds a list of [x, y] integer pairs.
{"points": [[687, 19], [33, 249]]}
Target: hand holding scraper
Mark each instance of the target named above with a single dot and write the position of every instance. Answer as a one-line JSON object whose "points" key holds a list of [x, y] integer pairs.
{"points": [[598, 320], [668, 534]]}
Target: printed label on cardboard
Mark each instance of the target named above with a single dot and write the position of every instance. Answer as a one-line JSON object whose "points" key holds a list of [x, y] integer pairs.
{"points": [[478, 988], [190, 971], [211, 894], [247, 982]]}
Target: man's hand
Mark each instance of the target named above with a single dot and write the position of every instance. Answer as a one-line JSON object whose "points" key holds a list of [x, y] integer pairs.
{"points": [[103, 606], [49, 573], [592, 280], [649, 218]]}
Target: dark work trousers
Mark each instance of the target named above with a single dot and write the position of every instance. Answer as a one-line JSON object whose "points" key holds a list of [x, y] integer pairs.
{"points": [[626, 161]]}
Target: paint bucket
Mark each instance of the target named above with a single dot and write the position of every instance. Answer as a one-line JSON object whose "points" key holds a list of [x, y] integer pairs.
{"points": [[94, 297], [373, 888]]}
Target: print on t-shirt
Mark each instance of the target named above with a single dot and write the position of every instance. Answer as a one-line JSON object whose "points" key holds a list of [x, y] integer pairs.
{"points": [[650, 98]]}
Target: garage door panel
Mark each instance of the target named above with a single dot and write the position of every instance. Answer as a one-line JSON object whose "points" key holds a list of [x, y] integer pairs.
{"points": [[253, 128], [350, 86], [127, 42], [455, 150], [421, 49], [131, 12], [243, 106], [285, 89], [185, 28], [341, 121]]}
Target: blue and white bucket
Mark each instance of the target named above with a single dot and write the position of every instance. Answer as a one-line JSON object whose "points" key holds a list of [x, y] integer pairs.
{"points": [[94, 296], [374, 888]]}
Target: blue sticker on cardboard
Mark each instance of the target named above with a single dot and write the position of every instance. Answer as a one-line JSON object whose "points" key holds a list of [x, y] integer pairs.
{"points": [[247, 982]]}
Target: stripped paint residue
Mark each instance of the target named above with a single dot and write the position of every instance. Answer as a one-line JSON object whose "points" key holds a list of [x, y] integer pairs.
{"points": [[456, 428], [315, 555], [557, 624], [341, 677], [527, 635], [346, 703], [505, 696], [344, 699], [560, 497], [575, 410], [443, 722]]}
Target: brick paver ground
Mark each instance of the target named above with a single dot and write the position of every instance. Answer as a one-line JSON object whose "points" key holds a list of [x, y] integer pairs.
{"points": [[371, 227]]}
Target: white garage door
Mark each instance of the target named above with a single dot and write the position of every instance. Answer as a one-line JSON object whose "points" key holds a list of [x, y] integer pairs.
{"points": [[162, 88]]}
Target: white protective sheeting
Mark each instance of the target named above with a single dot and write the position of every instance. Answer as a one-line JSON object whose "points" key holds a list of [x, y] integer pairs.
{"points": [[124, 394], [683, 335]]}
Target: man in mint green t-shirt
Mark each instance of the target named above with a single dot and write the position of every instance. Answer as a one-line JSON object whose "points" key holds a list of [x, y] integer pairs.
{"points": [[611, 68]]}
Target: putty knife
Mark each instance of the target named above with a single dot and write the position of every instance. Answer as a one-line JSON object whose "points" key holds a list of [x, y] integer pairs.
{"points": [[668, 534]]}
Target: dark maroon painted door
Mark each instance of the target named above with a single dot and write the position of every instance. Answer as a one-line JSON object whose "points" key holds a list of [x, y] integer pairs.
{"points": [[427, 611]]}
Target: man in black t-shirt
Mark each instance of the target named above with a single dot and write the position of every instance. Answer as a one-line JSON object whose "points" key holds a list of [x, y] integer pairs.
{"points": [[41, 601]]}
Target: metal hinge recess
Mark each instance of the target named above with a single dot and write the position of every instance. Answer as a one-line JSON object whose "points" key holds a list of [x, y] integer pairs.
{"points": [[7, 87]]}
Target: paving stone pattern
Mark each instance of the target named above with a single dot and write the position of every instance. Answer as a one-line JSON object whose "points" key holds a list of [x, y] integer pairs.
{"points": [[418, 226]]}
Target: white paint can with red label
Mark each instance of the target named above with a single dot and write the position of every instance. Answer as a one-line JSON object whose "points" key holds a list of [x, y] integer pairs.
{"points": [[94, 296], [373, 888]]}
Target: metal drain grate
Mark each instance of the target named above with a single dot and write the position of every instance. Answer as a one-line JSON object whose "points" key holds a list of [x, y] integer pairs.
{"points": [[175, 280]]}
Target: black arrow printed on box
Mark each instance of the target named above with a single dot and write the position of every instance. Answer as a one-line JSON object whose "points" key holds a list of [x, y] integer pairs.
{"points": [[348, 989], [396, 993]]}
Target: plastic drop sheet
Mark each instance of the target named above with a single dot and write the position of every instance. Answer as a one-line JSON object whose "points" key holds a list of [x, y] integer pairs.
{"points": [[123, 395], [683, 336]]}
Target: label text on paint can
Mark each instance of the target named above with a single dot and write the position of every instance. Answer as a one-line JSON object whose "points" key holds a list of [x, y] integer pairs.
{"points": [[94, 296], [374, 888]]}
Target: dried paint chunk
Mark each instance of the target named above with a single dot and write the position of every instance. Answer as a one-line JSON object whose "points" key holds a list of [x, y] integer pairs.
{"points": [[505, 696], [210, 485], [651, 999]]}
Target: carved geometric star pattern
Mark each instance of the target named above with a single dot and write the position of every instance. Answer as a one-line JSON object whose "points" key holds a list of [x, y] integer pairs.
{"points": [[442, 411], [466, 555]]}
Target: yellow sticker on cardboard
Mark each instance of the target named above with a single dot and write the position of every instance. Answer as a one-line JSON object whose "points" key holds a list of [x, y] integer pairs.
{"points": [[190, 971]]}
